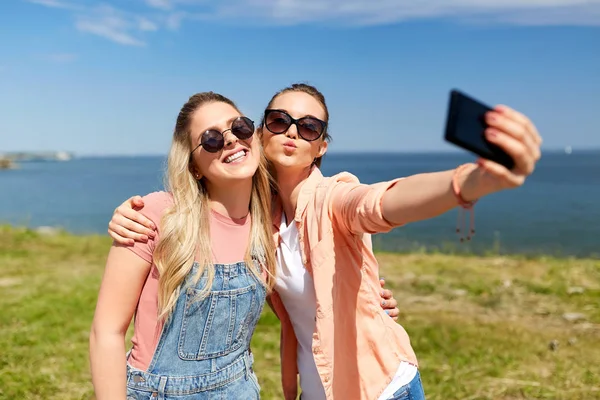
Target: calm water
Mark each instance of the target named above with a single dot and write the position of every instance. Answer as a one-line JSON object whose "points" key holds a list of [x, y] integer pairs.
{"points": [[556, 212]]}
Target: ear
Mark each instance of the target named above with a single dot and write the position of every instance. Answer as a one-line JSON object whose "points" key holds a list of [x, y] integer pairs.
{"points": [[195, 173], [322, 149]]}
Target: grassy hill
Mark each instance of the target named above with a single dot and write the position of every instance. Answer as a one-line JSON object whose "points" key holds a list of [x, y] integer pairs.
{"points": [[483, 327]]}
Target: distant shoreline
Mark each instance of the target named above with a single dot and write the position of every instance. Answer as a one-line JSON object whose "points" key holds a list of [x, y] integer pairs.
{"points": [[23, 156], [6, 163]]}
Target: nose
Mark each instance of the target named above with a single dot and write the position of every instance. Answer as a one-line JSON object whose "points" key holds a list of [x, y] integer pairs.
{"points": [[230, 138], [292, 131]]}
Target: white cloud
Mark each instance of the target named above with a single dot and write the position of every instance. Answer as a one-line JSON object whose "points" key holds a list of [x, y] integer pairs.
{"points": [[106, 21], [374, 12], [146, 25], [112, 24], [585, 15], [131, 29], [55, 4]]}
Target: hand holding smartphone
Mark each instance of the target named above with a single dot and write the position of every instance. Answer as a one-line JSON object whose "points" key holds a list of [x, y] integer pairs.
{"points": [[465, 127]]}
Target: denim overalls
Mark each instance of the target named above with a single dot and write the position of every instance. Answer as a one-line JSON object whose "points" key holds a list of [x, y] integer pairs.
{"points": [[204, 348]]}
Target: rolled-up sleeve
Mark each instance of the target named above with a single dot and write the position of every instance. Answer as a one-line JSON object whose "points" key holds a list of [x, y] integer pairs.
{"points": [[358, 206]]}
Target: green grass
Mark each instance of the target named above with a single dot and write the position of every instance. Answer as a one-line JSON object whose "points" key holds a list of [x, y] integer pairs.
{"points": [[481, 326]]}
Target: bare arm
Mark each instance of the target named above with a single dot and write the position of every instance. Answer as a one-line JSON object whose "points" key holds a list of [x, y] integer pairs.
{"points": [[425, 196], [122, 284], [380, 207]]}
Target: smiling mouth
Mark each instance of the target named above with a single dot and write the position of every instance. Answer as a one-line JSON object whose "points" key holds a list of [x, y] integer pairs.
{"points": [[236, 157]]}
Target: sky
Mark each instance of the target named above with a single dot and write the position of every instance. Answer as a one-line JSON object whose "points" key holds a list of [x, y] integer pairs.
{"points": [[109, 77]]}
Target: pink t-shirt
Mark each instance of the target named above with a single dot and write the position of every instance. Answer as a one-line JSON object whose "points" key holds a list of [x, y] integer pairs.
{"points": [[229, 240]]}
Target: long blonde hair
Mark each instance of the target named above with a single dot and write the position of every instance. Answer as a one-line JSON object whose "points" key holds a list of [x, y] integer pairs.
{"points": [[185, 226]]}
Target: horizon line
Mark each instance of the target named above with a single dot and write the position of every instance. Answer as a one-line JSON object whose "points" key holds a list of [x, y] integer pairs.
{"points": [[342, 152]]}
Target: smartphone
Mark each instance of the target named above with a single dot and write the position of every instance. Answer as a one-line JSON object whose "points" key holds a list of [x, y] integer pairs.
{"points": [[465, 127]]}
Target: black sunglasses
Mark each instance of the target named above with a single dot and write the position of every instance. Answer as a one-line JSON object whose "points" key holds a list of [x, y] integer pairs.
{"points": [[309, 128], [213, 140]]}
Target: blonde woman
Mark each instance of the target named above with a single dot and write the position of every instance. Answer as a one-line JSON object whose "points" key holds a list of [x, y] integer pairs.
{"points": [[198, 287]]}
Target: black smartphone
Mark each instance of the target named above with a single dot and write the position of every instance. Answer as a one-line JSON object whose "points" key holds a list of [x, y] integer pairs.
{"points": [[465, 127]]}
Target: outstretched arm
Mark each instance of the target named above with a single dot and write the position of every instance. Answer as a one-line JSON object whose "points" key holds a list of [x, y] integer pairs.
{"points": [[379, 207], [425, 196]]}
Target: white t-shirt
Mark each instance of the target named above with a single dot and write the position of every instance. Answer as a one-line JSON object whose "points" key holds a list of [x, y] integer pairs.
{"points": [[297, 291]]}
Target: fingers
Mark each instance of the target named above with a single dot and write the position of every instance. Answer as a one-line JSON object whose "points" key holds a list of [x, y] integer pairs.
{"points": [[135, 221], [389, 304], [131, 229], [515, 148], [522, 119], [393, 313], [125, 229], [137, 201], [113, 233], [128, 225], [516, 128], [386, 294]]}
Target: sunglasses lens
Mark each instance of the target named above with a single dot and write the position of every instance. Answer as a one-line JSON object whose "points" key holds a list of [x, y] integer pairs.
{"points": [[243, 128], [310, 128], [277, 122], [212, 141]]}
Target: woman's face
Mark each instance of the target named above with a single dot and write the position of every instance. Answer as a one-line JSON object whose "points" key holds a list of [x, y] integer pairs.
{"points": [[237, 160], [289, 150]]}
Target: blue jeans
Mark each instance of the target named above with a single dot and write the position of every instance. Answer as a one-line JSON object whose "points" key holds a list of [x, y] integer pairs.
{"points": [[412, 391]]}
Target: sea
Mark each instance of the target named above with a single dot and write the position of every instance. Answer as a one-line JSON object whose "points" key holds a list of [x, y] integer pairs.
{"points": [[556, 212]]}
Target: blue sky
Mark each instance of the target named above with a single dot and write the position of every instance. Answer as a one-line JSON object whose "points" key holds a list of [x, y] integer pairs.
{"points": [[109, 77]]}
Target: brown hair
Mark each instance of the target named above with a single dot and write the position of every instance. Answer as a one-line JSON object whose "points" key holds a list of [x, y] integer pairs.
{"points": [[317, 95], [185, 225]]}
